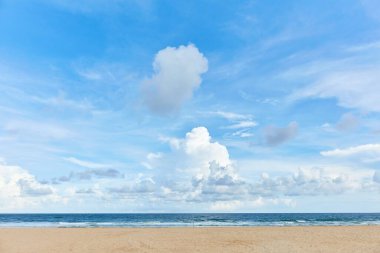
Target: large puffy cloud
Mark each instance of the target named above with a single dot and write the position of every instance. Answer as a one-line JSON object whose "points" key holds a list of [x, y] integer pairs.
{"points": [[277, 135], [366, 153], [177, 73], [216, 180], [204, 167], [196, 151], [19, 188]]}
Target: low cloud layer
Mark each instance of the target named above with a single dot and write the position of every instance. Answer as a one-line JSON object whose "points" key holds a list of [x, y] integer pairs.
{"points": [[203, 174], [210, 176], [88, 175], [19, 188], [177, 73], [312, 181]]}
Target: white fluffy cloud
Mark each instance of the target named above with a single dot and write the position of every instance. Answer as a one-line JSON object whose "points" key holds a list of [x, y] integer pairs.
{"points": [[197, 151], [198, 170], [18, 188], [177, 73], [366, 153], [215, 179], [221, 183], [205, 167]]}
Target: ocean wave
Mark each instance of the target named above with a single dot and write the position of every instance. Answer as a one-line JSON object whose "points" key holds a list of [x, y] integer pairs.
{"points": [[184, 220]]}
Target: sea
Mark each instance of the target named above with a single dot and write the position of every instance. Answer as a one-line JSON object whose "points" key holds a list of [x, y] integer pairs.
{"points": [[187, 219]]}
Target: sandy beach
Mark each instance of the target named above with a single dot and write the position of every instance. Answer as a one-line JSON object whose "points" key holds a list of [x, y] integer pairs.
{"points": [[217, 239]]}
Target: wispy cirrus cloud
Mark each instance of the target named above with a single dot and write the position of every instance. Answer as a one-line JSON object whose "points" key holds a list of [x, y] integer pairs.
{"points": [[87, 164], [366, 153], [32, 129], [352, 79], [241, 123]]}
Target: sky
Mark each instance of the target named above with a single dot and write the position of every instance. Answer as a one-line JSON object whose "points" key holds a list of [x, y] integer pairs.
{"points": [[189, 106]]}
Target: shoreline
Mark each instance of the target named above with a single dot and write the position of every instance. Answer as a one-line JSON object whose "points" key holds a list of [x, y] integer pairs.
{"points": [[192, 239], [184, 227]]}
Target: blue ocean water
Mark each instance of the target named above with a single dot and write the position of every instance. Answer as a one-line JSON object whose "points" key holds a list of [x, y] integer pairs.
{"points": [[188, 220]]}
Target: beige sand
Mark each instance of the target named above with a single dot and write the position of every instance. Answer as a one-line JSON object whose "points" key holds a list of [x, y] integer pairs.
{"points": [[364, 239]]}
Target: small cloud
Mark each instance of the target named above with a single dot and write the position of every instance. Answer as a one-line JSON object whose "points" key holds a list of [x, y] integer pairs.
{"points": [[151, 159], [177, 73], [275, 136], [347, 122], [87, 164], [328, 127], [243, 124], [231, 115], [243, 133]]}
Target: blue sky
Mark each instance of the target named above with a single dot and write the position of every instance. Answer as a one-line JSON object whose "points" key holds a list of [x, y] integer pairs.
{"points": [[189, 106]]}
